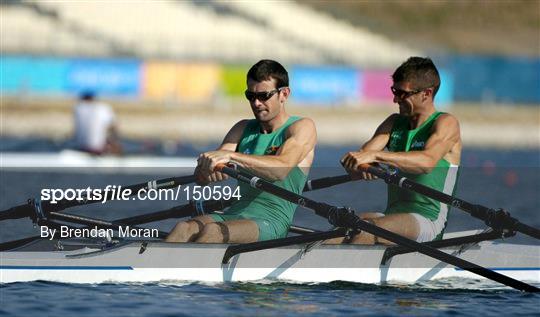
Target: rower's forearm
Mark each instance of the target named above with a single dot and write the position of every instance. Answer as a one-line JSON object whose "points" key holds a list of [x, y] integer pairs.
{"points": [[271, 168], [415, 162]]}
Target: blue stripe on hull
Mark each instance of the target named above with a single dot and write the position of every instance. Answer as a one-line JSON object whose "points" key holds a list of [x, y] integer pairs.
{"points": [[103, 268]]}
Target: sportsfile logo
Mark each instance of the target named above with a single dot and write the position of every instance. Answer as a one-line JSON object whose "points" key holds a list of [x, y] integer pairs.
{"points": [[110, 192], [113, 192]]}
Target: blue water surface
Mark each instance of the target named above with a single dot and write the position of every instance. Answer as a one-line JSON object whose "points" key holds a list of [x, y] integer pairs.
{"points": [[496, 178]]}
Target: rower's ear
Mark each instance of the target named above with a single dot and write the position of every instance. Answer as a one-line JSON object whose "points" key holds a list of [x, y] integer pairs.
{"points": [[284, 95], [428, 93]]}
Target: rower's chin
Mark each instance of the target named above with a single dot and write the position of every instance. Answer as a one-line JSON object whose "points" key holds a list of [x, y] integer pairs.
{"points": [[262, 116]]}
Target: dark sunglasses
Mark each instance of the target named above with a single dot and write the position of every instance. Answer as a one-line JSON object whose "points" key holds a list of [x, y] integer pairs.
{"points": [[262, 95], [404, 94]]}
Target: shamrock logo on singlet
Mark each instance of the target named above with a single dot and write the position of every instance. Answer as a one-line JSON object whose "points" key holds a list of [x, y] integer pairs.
{"points": [[271, 150]]}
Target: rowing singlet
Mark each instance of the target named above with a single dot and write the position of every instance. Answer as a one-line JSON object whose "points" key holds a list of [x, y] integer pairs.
{"points": [[256, 203], [442, 178]]}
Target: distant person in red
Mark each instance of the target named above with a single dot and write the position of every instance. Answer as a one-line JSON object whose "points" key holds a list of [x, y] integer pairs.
{"points": [[95, 126]]}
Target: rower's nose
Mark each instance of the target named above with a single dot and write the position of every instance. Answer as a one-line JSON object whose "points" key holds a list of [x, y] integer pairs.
{"points": [[256, 103]]}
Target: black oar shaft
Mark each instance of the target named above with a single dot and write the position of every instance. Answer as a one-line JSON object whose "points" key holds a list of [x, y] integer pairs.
{"points": [[344, 218], [17, 212], [193, 208], [29, 209], [496, 219], [325, 182]]}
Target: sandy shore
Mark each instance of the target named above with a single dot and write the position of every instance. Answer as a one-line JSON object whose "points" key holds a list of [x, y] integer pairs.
{"points": [[501, 127]]}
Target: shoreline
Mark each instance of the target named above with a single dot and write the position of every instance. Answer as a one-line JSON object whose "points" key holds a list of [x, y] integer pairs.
{"points": [[481, 126]]}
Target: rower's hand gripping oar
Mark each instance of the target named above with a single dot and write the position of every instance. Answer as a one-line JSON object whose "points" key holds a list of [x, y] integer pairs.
{"points": [[345, 217], [37, 209], [496, 219]]}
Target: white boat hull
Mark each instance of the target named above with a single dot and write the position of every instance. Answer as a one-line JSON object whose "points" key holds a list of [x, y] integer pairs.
{"points": [[166, 262], [76, 161]]}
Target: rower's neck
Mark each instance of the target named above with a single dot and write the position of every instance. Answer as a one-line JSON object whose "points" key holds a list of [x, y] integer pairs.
{"points": [[274, 124], [418, 119]]}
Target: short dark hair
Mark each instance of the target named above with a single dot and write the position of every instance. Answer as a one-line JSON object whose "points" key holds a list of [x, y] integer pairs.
{"points": [[267, 69], [420, 72], [87, 95]]}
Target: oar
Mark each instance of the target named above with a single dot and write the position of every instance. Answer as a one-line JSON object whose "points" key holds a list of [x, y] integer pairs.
{"points": [[38, 209], [497, 219], [193, 208], [343, 217], [29, 209], [325, 182]]}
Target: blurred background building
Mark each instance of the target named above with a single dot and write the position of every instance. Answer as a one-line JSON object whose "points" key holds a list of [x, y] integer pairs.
{"points": [[178, 65]]}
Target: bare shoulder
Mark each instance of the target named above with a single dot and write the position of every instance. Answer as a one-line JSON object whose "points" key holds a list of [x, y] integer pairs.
{"points": [[234, 135], [240, 125], [391, 117], [303, 123], [303, 126], [387, 124], [447, 121]]}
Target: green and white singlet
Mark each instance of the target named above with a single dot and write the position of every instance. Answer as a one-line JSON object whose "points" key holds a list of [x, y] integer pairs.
{"points": [[272, 214], [442, 178]]}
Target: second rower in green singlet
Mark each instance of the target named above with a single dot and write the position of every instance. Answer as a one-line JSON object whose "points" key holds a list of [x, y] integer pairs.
{"points": [[422, 144]]}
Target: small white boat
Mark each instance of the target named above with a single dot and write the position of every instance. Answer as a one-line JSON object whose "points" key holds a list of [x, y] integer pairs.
{"points": [[69, 160], [153, 261]]}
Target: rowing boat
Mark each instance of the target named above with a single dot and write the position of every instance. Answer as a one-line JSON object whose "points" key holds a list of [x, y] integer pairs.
{"points": [[153, 261], [70, 160], [299, 258]]}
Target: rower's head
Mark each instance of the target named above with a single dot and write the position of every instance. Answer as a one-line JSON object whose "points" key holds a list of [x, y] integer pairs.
{"points": [[267, 89], [87, 95], [415, 84]]}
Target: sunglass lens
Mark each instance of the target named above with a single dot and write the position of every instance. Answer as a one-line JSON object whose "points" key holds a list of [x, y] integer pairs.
{"points": [[262, 96]]}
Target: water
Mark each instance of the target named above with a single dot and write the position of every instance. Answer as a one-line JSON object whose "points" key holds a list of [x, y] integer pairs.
{"points": [[508, 179], [255, 299]]}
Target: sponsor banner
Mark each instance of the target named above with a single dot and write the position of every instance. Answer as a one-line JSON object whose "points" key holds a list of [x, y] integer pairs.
{"points": [[495, 79], [233, 80], [198, 82], [160, 80], [182, 82], [445, 95], [329, 86], [375, 87], [109, 77], [29, 75]]}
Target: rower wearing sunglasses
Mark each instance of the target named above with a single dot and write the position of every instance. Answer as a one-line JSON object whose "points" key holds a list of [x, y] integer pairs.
{"points": [[423, 144], [275, 146]]}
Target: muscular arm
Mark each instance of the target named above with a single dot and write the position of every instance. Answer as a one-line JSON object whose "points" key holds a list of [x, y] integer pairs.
{"points": [[379, 140], [377, 143], [301, 138], [203, 171], [445, 135]]}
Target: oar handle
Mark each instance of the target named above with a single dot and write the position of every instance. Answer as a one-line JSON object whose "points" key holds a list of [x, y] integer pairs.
{"points": [[325, 182], [310, 185], [379, 172], [17, 212]]}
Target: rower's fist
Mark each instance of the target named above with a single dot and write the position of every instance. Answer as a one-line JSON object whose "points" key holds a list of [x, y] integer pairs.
{"points": [[355, 164]]}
